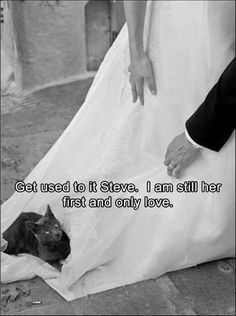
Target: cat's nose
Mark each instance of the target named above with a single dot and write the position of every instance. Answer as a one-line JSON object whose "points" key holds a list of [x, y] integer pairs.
{"points": [[58, 235]]}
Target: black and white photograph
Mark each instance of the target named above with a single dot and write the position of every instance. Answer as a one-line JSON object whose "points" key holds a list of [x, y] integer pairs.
{"points": [[118, 157]]}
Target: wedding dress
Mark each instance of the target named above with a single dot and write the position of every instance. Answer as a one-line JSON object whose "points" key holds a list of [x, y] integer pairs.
{"points": [[190, 43]]}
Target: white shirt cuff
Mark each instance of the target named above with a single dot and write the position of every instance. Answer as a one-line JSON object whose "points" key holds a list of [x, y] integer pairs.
{"points": [[195, 145]]}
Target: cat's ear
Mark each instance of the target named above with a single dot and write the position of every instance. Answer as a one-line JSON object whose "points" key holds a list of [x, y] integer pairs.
{"points": [[32, 226], [49, 212]]}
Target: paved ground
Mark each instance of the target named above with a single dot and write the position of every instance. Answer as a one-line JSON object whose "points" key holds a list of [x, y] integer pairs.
{"points": [[29, 128]]}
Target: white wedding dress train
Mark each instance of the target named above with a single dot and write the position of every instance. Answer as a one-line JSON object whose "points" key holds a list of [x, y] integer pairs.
{"points": [[111, 138]]}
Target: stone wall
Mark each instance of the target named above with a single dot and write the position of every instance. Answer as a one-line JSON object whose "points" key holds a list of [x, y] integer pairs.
{"points": [[50, 40]]}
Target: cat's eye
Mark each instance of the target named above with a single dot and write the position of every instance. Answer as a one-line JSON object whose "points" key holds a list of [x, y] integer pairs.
{"points": [[47, 232], [56, 225]]}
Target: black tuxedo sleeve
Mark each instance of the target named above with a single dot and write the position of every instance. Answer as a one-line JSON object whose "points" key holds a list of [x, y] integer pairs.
{"points": [[214, 121]]}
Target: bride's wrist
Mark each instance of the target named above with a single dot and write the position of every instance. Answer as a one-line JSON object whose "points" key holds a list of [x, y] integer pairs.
{"points": [[136, 50]]}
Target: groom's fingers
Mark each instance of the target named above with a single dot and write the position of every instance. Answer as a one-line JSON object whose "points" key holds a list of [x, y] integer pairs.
{"points": [[169, 171], [168, 159], [171, 167], [168, 156], [177, 171], [180, 163]]}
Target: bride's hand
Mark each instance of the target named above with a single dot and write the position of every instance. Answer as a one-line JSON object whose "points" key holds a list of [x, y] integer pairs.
{"points": [[141, 70]]}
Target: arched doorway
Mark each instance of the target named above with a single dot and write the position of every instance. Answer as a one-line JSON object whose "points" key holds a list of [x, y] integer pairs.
{"points": [[97, 31]]}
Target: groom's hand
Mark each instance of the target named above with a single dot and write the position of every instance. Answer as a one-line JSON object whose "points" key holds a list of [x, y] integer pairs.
{"points": [[180, 154]]}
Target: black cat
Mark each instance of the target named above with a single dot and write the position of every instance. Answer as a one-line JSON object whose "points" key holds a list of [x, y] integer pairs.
{"points": [[41, 236]]}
